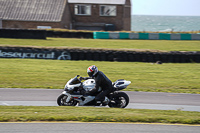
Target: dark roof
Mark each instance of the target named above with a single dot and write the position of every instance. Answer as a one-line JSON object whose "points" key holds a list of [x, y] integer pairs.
{"points": [[32, 10]]}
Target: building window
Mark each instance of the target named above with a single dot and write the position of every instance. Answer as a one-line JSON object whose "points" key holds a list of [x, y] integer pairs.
{"points": [[108, 10], [82, 9]]}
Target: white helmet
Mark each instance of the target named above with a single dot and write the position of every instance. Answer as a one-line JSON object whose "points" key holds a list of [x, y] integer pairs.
{"points": [[92, 71]]}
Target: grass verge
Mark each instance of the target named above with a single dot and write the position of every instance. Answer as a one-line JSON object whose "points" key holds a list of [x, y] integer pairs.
{"points": [[141, 45], [168, 77], [91, 114]]}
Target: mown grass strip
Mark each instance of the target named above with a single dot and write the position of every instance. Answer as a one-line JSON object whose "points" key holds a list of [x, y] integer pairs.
{"points": [[92, 114], [53, 74], [144, 45]]}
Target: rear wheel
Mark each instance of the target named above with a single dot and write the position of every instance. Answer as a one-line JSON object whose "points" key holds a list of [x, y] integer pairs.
{"points": [[61, 101], [119, 100]]}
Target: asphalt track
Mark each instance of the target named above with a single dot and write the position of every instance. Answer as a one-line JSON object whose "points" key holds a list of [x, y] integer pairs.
{"points": [[138, 100], [95, 128]]}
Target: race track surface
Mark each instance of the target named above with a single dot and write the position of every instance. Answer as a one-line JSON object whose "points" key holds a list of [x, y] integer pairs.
{"points": [[138, 100], [95, 127]]}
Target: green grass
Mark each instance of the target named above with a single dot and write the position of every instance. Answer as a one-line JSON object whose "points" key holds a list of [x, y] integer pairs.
{"points": [[53, 74], [168, 77], [91, 114], [142, 45], [29, 73]]}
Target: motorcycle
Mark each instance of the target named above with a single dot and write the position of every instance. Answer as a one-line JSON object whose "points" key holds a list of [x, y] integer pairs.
{"points": [[74, 91]]}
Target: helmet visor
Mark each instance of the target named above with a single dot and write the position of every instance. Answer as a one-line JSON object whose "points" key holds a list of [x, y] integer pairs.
{"points": [[90, 74]]}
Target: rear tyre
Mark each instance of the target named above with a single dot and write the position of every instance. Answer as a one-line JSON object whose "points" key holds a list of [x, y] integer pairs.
{"points": [[119, 100], [61, 101]]}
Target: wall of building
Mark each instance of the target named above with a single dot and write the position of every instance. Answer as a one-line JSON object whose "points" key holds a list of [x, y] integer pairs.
{"points": [[28, 24], [96, 18], [127, 16], [66, 18], [70, 20], [0, 23]]}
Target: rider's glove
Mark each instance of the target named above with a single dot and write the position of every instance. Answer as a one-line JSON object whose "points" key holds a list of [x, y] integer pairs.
{"points": [[81, 78]]}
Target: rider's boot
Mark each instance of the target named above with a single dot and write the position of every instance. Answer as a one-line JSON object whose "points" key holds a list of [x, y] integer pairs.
{"points": [[106, 101], [98, 103]]}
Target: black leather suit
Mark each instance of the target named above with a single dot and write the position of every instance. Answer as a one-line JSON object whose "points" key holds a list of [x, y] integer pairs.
{"points": [[102, 81]]}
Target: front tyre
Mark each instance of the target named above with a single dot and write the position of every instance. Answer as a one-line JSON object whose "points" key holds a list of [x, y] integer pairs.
{"points": [[119, 100], [61, 101]]}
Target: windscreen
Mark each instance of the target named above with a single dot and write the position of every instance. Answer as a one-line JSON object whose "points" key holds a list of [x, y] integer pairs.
{"points": [[75, 80]]}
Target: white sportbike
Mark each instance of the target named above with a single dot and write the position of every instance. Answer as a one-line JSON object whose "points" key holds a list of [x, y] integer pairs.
{"points": [[74, 90]]}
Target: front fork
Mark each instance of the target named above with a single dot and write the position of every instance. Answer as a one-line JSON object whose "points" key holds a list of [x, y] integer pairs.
{"points": [[69, 97]]}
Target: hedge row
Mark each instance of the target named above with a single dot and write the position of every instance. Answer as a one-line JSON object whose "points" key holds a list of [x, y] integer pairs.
{"points": [[105, 55], [23, 33], [42, 34], [63, 34]]}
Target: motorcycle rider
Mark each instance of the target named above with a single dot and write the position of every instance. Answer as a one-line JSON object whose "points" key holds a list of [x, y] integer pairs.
{"points": [[102, 81]]}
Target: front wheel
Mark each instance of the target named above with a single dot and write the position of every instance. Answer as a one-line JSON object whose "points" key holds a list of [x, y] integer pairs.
{"points": [[119, 100], [61, 101]]}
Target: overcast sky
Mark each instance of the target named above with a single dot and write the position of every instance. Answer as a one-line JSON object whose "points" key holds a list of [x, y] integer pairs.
{"points": [[166, 7]]}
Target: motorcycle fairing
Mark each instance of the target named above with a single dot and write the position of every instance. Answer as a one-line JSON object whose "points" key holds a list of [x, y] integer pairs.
{"points": [[121, 84], [82, 99]]}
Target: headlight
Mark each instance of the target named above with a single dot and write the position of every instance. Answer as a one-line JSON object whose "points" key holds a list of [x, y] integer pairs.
{"points": [[66, 88], [69, 90]]}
